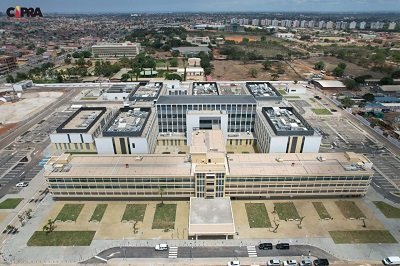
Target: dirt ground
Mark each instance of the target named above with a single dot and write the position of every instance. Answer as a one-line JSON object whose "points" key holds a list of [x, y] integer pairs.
{"points": [[332, 62], [236, 70], [5, 128]]}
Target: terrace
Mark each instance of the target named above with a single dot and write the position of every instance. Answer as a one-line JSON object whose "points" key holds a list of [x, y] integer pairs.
{"points": [[231, 89], [128, 122]]}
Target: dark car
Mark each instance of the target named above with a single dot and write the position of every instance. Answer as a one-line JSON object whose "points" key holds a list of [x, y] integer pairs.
{"points": [[282, 246], [265, 246], [321, 262]]}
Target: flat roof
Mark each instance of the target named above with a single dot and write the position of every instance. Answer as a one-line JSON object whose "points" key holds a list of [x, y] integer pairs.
{"points": [[124, 165], [201, 99], [262, 89], [148, 91], [82, 120], [296, 164], [188, 49], [207, 141], [390, 87], [286, 121], [121, 88], [128, 122], [331, 83], [204, 88], [211, 217], [231, 89]]}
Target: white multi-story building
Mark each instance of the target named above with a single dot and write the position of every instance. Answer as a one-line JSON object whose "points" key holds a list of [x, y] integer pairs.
{"points": [[352, 25], [392, 26], [296, 24], [303, 23], [344, 25], [275, 22], [311, 24], [199, 40], [321, 24], [329, 25], [126, 49], [255, 22], [363, 25]]}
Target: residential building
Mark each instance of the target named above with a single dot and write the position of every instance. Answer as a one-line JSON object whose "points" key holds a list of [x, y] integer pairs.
{"points": [[255, 22], [311, 24], [392, 26], [192, 73], [363, 25], [321, 24], [329, 25], [7, 64], [352, 25], [303, 24], [110, 50]]}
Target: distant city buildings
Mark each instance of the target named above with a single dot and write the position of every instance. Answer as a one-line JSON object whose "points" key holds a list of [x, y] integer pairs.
{"points": [[7, 64]]}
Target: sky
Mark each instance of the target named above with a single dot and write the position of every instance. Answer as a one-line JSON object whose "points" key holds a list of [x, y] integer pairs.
{"points": [[131, 6]]}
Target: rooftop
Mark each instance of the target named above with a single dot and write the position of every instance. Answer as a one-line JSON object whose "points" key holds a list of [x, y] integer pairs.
{"points": [[128, 122], [148, 91], [298, 164], [331, 83], [204, 99], [211, 216], [390, 88], [262, 89], [190, 49], [204, 88], [121, 88], [286, 121], [116, 44], [121, 165], [207, 141], [82, 120], [231, 89]]}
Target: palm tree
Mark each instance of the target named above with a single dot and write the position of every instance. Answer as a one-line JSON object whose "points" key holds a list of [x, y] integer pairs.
{"points": [[161, 191], [50, 226], [275, 76]]}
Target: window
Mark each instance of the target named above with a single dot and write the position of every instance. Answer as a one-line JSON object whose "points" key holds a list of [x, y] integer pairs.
{"points": [[133, 145]]}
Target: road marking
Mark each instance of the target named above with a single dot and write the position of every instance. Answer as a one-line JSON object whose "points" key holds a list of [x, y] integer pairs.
{"points": [[251, 250], [112, 254], [173, 252], [100, 258]]}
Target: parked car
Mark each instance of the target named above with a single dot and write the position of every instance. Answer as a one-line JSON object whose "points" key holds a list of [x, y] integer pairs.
{"points": [[265, 246], [274, 263], [161, 247], [305, 263], [321, 262], [282, 246], [234, 263], [22, 184], [392, 260], [290, 263]]}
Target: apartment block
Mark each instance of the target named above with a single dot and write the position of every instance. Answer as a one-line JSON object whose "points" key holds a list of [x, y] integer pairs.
{"points": [[110, 50]]}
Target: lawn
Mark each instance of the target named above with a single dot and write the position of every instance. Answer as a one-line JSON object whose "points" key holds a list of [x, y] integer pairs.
{"points": [[350, 209], [164, 218], [291, 97], [362, 236], [69, 212], [134, 212], [99, 212], [257, 215], [388, 210], [61, 238], [321, 210], [282, 92], [10, 203], [321, 111], [286, 210]]}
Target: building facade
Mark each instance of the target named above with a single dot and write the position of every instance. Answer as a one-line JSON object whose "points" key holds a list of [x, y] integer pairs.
{"points": [[109, 50], [7, 64]]}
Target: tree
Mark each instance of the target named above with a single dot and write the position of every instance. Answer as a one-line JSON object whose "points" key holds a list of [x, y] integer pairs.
{"points": [[386, 81], [80, 62], [369, 97], [49, 226], [279, 57], [319, 65], [173, 62], [342, 66], [350, 84], [267, 65], [173, 76], [338, 72], [245, 40], [161, 191], [125, 77], [67, 60], [21, 219], [361, 79], [347, 102], [253, 72], [10, 79], [40, 51], [175, 53], [275, 76]]}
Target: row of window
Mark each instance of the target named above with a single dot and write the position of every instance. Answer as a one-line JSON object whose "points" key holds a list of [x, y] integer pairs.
{"points": [[299, 185], [207, 107], [290, 179], [119, 186], [136, 180], [120, 193], [233, 193]]}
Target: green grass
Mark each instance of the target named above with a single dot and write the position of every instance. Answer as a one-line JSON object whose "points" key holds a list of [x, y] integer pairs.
{"points": [[282, 92], [286, 210], [321, 111], [350, 209], [61, 238], [99, 212], [69, 212], [292, 97], [134, 212], [10, 203], [388, 210], [321, 210], [257, 215], [362, 236], [88, 98], [164, 218]]}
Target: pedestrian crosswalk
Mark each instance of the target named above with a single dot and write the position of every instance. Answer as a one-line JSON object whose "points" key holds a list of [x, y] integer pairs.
{"points": [[173, 252], [251, 250]]}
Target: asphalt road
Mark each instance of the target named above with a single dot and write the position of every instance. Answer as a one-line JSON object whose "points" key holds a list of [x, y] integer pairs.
{"points": [[206, 252]]}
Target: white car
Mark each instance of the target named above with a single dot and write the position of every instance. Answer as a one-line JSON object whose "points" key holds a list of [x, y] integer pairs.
{"points": [[161, 247], [393, 260], [305, 263], [234, 263], [290, 263], [274, 263], [22, 184]]}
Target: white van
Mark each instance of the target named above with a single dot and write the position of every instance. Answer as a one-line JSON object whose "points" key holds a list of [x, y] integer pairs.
{"points": [[160, 247], [393, 260]]}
